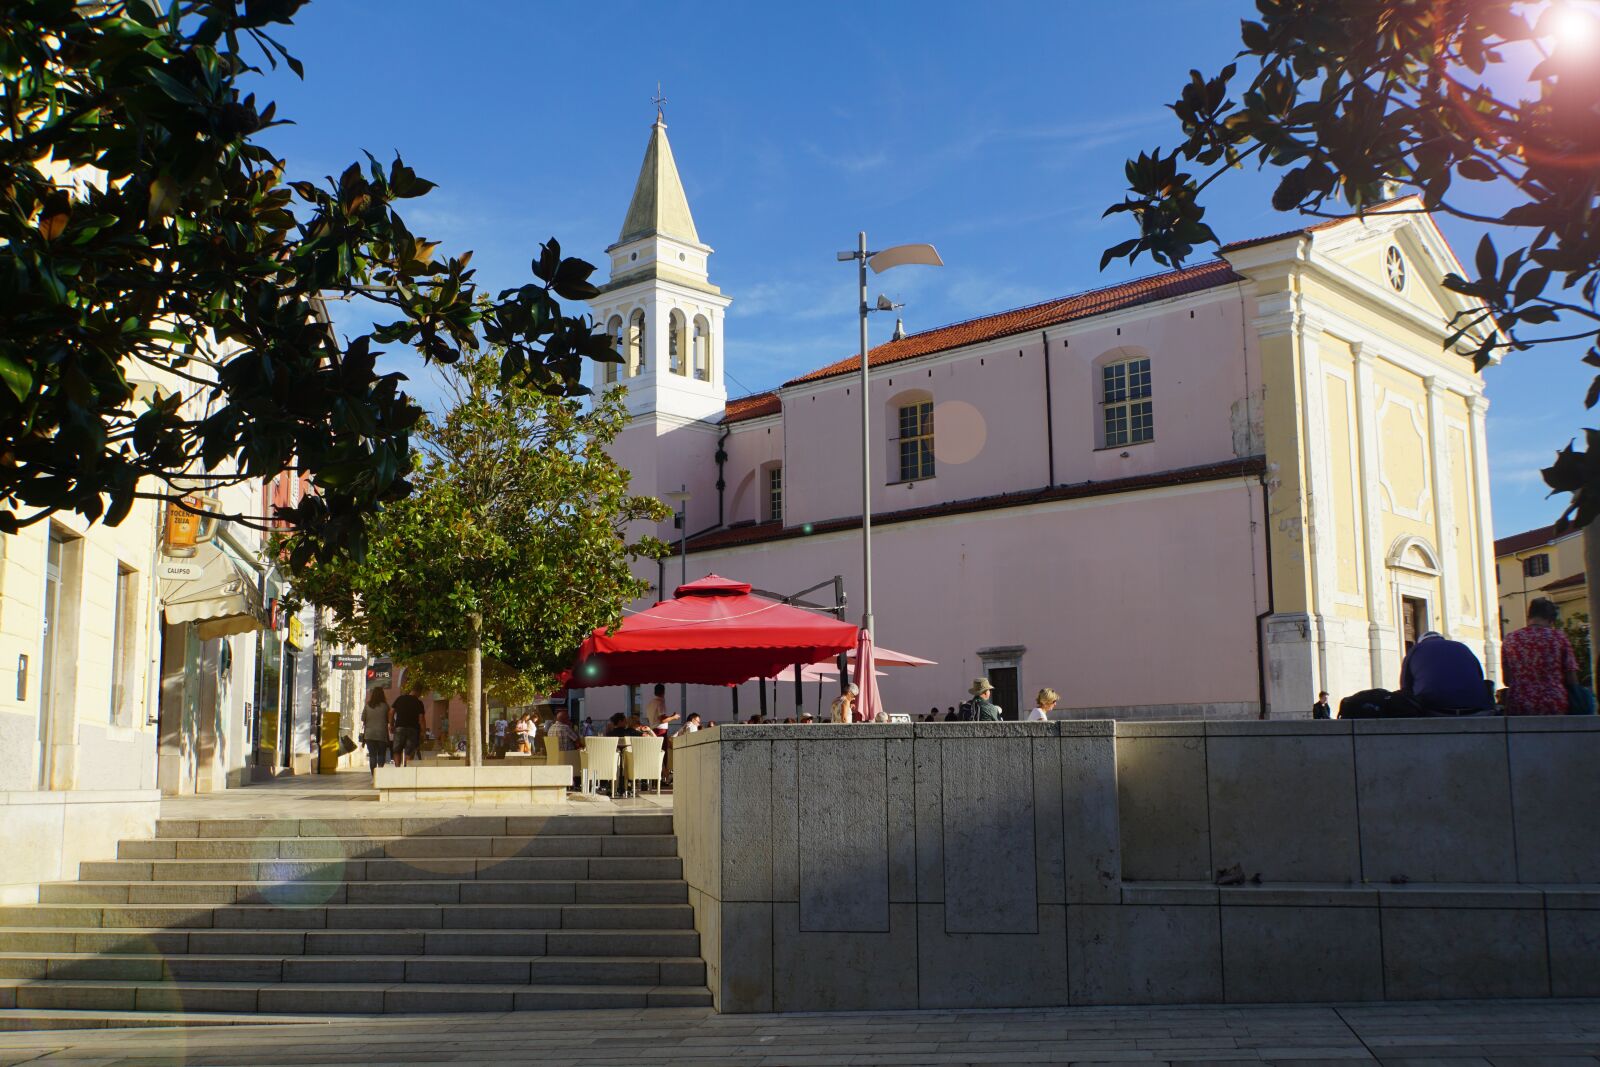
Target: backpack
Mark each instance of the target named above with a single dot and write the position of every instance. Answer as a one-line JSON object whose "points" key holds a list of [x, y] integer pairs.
{"points": [[967, 712]]}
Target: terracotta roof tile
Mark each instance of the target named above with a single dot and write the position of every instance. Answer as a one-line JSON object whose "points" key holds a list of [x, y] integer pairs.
{"points": [[1037, 317], [751, 407], [752, 533], [1571, 581], [1521, 542]]}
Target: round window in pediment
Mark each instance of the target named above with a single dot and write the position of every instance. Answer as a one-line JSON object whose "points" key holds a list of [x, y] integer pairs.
{"points": [[1394, 266]]}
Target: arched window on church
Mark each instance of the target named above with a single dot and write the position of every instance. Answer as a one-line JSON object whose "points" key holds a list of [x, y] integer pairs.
{"points": [[702, 349], [614, 334], [637, 359], [676, 342]]}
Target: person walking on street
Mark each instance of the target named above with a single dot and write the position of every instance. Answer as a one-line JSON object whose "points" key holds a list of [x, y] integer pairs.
{"points": [[375, 729], [980, 708], [1321, 710], [406, 716], [1046, 703], [1540, 667]]}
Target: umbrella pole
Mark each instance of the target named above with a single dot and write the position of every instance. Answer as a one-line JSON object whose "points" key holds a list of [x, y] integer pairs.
{"points": [[799, 694], [735, 691], [763, 697]]}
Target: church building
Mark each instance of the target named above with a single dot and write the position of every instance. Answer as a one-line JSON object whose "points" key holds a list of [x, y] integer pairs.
{"points": [[1207, 493]]}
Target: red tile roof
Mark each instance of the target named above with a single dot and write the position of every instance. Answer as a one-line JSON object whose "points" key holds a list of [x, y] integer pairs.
{"points": [[1571, 581], [1521, 542], [751, 407], [1037, 317], [772, 531]]}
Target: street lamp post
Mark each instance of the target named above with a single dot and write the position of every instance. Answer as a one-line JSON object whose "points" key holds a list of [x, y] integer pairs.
{"points": [[897, 256], [681, 521]]}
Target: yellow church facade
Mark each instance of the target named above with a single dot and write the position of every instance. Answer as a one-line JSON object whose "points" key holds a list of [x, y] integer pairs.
{"points": [[1378, 509]]}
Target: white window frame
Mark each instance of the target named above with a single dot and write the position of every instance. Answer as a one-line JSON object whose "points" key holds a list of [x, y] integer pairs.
{"points": [[1127, 397], [774, 491]]}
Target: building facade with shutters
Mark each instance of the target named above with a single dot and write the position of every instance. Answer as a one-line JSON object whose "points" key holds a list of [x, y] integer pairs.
{"points": [[1211, 492], [1543, 562]]}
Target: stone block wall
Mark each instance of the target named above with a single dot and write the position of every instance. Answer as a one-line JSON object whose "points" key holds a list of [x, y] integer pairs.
{"points": [[1024, 864]]}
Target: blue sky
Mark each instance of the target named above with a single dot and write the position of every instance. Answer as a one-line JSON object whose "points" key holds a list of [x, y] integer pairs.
{"points": [[995, 131]]}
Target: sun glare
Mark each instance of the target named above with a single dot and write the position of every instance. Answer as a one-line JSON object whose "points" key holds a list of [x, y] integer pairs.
{"points": [[1576, 27]]}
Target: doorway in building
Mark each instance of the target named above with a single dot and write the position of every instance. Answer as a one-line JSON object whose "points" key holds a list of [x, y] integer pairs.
{"points": [[1413, 619], [1003, 667]]}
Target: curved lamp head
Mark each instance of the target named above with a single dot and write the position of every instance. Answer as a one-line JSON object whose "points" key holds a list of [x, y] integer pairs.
{"points": [[904, 255]]}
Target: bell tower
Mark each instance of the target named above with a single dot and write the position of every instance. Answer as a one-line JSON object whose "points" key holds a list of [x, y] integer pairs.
{"points": [[660, 307]]}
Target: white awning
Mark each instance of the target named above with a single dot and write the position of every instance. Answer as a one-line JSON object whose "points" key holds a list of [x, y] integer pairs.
{"points": [[224, 600]]}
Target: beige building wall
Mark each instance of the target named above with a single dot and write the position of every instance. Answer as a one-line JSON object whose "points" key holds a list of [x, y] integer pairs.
{"points": [[1378, 499], [1564, 558]]}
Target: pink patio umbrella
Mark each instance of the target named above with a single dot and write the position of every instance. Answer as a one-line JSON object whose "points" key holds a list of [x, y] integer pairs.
{"points": [[888, 657], [868, 703]]}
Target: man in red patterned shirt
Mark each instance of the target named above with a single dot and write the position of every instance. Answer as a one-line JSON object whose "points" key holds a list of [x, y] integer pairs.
{"points": [[1539, 663]]}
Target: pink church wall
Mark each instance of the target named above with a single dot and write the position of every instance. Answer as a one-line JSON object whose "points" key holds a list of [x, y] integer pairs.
{"points": [[990, 412], [751, 447], [1107, 594]]}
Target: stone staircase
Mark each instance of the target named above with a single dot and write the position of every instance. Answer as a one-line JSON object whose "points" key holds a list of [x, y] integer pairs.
{"points": [[367, 916]]}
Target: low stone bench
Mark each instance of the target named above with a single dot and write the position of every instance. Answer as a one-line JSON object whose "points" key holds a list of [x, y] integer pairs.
{"points": [[528, 783]]}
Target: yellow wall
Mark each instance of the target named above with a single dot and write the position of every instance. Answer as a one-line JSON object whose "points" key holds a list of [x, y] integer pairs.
{"points": [[1566, 560]]}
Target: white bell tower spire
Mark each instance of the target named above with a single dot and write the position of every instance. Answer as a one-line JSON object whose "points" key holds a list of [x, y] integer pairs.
{"points": [[660, 305]]}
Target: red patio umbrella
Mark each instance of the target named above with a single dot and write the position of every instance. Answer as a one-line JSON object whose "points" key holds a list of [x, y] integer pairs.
{"points": [[712, 632]]}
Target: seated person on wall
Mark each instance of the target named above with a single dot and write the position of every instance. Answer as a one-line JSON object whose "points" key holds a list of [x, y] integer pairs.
{"points": [[1444, 677]]}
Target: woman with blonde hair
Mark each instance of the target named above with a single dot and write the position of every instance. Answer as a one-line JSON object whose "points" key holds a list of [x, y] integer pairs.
{"points": [[1044, 703]]}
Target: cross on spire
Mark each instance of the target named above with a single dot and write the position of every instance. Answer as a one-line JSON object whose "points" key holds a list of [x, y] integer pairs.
{"points": [[659, 100]]}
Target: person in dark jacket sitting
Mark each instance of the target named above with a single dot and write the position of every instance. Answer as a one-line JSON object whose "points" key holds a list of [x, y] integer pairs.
{"points": [[1444, 676]]}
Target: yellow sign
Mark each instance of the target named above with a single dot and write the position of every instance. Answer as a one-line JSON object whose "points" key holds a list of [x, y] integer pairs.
{"points": [[297, 633], [186, 528]]}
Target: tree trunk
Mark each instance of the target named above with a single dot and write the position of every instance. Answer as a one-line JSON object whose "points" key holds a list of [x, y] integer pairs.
{"points": [[475, 692]]}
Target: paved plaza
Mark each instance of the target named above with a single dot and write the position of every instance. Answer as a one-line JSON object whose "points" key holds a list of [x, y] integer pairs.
{"points": [[1498, 1033]]}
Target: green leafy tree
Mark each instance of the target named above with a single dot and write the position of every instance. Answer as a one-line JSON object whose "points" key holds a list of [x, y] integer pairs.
{"points": [[1351, 98], [515, 541], [146, 234]]}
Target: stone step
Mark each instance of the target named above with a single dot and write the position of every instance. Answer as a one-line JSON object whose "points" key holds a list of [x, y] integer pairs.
{"points": [[661, 891], [565, 846], [353, 916], [13, 1020], [628, 868], [449, 826], [338, 998], [456, 970], [391, 942]]}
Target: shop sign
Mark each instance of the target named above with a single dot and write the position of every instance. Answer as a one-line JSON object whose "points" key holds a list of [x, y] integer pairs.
{"points": [[179, 570], [381, 674], [349, 663], [297, 632], [187, 526]]}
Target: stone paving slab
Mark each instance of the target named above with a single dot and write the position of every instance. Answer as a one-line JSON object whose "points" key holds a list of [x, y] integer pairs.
{"points": [[1493, 1033]]}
